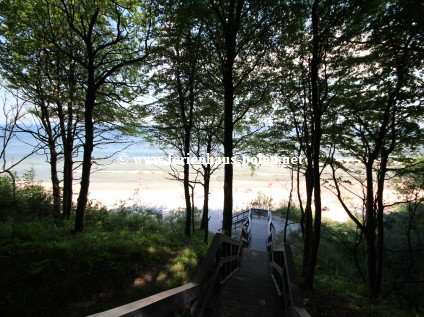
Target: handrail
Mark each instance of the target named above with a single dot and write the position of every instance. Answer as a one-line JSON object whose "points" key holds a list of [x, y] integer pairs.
{"points": [[243, 241], [283, 273], [241, 218], [160, 304], [223, 256]]}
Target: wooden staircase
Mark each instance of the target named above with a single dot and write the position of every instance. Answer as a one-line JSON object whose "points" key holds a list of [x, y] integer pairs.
{"points": [[232, 281], [250, 291]]}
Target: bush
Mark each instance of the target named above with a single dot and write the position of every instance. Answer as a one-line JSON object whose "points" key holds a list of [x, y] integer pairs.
{"points": [[295, 214], [262, 201], [32, 201], [45, 268], [339, 289], [128, 218]]}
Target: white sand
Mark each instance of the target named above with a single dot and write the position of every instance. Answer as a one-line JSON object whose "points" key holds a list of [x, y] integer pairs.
{"points": [[155, 190], [149, 186]]}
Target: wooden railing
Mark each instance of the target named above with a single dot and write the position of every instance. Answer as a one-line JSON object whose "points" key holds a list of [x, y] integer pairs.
{"points": [[283, 273], [241, 218], [228, 264], [220, 262]]}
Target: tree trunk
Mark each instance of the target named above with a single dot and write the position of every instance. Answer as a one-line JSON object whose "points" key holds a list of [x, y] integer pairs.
{"points": [[370, 232], [205, 218], [307, 240], [316, 146], [206, 186], [380, 222], [45, 120], [186, 184], [299, 198], [192, 208], [55, 181], [286, 222], [86, 164], [228, 152], [207, 169], [68, 144], [67, 180]]}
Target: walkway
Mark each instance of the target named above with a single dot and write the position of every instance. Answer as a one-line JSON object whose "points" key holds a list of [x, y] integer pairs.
{"points": [[258, 235], [251, 291], [248, 291]]}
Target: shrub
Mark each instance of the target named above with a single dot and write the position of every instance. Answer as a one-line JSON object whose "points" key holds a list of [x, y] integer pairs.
{"points": [[32, 200]]}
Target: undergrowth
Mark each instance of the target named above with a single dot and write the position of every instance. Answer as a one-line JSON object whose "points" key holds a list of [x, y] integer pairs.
{"points": [[122, 256]]}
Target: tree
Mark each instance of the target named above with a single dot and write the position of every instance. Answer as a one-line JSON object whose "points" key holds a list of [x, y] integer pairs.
{"points": [[177, 81], [311, 69], [240, 34], [380, 112], [205, 144], [46, 80], [12, 114], [114, 41]]}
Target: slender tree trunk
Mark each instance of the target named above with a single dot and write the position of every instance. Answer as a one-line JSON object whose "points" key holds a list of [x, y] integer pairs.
{"points": [[370, 235], [228, 132], [316, 146], [299, 198], [230, 22], [68, 144], [67, 180], [187, 121], [205, 217], [86, 164], [286, 223], [307, 241], [228, 153], [55, 181], [206, 186], [205, 205], [186, 184], [45, 120], [68, 141], [380, 222], [192, 208]]}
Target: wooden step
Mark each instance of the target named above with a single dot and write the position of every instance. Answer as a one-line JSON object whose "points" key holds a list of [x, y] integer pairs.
{"points": [[250, 291]]}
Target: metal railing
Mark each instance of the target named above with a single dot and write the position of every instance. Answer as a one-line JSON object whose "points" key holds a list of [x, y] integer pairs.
{"points": [[220, 262], [283, 272]]}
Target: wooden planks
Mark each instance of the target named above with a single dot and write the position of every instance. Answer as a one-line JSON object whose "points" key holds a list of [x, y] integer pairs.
{"points": [[250, 292], [258, 235]]}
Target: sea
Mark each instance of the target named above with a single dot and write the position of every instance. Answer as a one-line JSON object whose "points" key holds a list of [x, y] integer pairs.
{"points": [[106, 155]]}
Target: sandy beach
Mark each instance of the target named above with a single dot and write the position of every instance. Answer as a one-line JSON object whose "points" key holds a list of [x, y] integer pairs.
{"points": [[151, 186]]}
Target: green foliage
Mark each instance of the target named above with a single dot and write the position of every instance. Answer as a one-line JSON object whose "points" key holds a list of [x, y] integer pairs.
{"points": [[338, 287], [31, 201], [46, 268], [295, 214], [184, 265], [262, 201], [6, 192], [338, 296], [132, 220]]}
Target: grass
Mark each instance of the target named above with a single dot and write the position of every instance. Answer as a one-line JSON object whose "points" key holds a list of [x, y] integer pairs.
{"points": [[338, 289], [122, 256], [46, 270]]}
